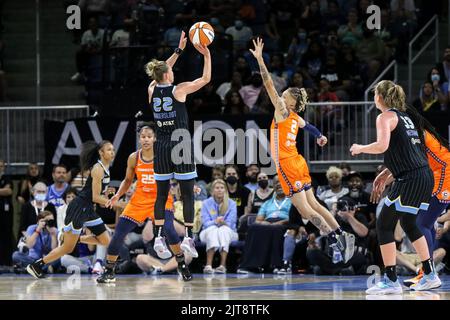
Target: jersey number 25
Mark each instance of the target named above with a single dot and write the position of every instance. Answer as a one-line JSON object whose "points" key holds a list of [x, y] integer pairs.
{"points": [[148, 179]]}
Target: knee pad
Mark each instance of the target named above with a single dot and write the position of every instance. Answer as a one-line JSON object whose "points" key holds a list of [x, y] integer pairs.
{"points": [[169, 230], [409, 225], [386, 223]]}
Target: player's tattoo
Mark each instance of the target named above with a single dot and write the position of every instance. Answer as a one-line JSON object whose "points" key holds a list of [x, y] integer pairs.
{"points": [[264, 73], [318, 223]]}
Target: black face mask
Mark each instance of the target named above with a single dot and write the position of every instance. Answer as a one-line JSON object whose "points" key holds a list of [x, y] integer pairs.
{"points": [[263, 183], [231, 180]]}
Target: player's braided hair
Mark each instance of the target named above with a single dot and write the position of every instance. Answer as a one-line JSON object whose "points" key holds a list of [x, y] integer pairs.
{"points": [[301, 98]]}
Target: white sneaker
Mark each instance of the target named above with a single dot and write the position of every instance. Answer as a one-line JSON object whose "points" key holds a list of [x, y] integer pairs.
{"points": [[428, 282], [156, 270], [221, 269], [385, 286], [98, 268], [208, 269], [188, 246], [161, 249]]}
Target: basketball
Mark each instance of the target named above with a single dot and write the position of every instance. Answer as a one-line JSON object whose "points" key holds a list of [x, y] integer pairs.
{"points": [[201, 33]]}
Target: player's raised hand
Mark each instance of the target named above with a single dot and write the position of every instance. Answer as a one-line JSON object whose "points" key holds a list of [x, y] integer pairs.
{"points": [[202, 49], [259, 45], [183, 41], [322, 141]]}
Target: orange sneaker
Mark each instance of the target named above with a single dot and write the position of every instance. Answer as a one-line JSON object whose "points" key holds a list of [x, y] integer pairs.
{"points": [[416, 279]]}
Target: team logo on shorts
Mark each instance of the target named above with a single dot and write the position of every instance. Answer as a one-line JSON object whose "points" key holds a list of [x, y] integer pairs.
{"points": [[288, 143], [446, 194], [159, 123], [298, 184]]}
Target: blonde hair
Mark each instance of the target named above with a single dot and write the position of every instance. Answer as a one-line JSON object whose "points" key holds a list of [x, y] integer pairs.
{"points": [[392, 94], [332, 170], [155, 69], [301, 98], [224, 205]]}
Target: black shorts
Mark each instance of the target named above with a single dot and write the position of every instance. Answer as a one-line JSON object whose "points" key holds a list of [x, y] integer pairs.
{"points": [[180, 167], [412, 191], [80, 213]]}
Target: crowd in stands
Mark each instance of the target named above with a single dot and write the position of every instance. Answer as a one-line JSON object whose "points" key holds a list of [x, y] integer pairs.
{"points": [[322, 45], [243, 225]]}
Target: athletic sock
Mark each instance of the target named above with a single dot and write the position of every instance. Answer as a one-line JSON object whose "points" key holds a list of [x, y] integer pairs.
{"points": [[189, 231], [338, 231], [332, 238], [391, 273], [158, 230], [427, 266]]}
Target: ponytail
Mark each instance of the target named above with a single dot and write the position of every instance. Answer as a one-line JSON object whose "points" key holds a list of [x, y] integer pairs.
{"points": [[90, 154], [392, 94], [155, 69]]}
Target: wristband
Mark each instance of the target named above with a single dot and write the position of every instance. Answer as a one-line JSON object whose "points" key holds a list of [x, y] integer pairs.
{"points": [[178, 51], [313, 130]]}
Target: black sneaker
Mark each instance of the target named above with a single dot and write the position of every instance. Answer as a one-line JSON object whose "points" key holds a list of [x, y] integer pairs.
{"points": [[183, 270], [35, 269], [107, 277]]}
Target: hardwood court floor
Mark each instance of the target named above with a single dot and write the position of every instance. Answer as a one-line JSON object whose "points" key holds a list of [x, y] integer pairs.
{"points": [[203, 287]]}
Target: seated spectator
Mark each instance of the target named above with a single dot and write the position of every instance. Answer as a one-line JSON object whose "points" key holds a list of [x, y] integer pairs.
{"points": [[250, 93], [283, 16], [59, 186], [252, 176], [331, 115], [335, 190], [172, 35], [264, 240], [234, 105], [440, 87], [263, 105], [91, 44], [217, 26], [325, 260], [360, 198], [236, 191], [351, 33], [121, 38], [311, 18], [218, 172], [234, 84], [33, 175], [219, 216], [278, 68], [41, 238], [428, 99], [297, 80], [255, 200], [301, 232], [30, 210], [335, 77], [313, 61], [242, 66], [332, 17], [241, 34], [150, 262], [206, 101], [297, 48], [444, 65], [68, 196], [371, 53], [81, 258], [178, 209]]}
